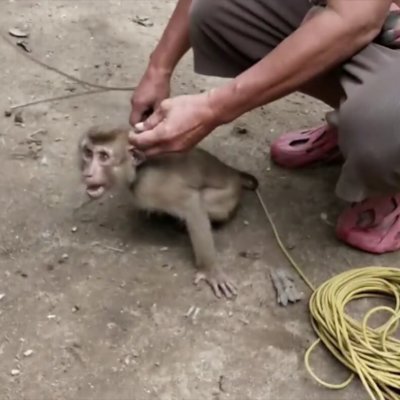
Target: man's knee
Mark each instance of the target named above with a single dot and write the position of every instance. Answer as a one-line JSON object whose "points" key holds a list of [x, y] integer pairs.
{"points": [[212, 32], [201, 13], [369, 133]]}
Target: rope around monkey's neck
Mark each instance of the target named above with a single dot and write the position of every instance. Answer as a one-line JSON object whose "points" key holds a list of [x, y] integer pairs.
{"points": [[372, 354]]}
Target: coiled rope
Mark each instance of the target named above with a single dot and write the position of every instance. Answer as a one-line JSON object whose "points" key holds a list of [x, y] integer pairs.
{"points": [[371, 354]]}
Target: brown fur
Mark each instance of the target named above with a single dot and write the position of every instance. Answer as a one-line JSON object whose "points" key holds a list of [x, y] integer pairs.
{"points": [[195, 187]]}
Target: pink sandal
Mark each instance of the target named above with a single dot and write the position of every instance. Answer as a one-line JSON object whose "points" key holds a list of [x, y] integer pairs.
{"points": [[305, 147], [372, 225]]}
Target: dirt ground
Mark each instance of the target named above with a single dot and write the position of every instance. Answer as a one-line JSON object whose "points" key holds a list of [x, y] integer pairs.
{"points": [[93, 299]]}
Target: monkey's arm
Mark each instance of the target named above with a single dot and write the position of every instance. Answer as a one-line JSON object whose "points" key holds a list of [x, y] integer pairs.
{"points": [[199, 229], [174, 42], [342, 29]]}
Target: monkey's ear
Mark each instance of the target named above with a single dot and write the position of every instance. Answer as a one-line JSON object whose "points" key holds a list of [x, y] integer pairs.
{"points": [[138, 157]]}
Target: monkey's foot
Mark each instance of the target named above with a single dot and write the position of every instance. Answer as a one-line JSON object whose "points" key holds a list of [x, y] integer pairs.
{"points": [[219, 283], [305, 147]]}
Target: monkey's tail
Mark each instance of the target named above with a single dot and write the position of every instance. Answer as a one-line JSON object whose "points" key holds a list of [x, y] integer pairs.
{"points": [[249, 181]]}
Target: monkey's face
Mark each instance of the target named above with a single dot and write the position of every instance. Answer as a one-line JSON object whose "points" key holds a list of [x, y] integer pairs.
{"points": [[103, 167]]}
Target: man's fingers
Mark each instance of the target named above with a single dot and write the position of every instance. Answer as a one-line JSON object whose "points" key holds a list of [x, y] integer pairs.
{"points": [[153, 120], [147, 139], [137, 113]]}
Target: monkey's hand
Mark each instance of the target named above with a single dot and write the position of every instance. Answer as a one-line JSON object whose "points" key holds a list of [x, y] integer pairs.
{"points": [[220, 284]]}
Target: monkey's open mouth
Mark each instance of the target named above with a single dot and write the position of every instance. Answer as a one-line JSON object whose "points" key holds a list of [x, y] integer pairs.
{"points": [[95, 191]]}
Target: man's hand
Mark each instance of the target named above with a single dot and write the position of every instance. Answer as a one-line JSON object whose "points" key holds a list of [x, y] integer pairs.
{"points": [[178, 124], [153, 88]]}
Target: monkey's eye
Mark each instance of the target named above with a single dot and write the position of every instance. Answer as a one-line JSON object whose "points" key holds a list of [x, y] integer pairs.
{"points": [[87, 153], [104, 156]]}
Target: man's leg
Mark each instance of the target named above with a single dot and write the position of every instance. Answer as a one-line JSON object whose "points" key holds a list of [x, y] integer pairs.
{"points": [[367, 131], [228, 36], [369, 138], [319, 144]]}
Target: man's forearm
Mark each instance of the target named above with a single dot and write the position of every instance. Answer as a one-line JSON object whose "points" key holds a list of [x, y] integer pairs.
{"points": [[318, 45], [174, 42]]}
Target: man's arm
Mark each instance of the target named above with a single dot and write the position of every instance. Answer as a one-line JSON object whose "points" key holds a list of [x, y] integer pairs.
{"points": [[339, 31], [154, 86], [174, 42]]}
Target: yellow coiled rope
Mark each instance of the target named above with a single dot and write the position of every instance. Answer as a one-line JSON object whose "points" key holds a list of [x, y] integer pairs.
{"points": [[372, 354]]}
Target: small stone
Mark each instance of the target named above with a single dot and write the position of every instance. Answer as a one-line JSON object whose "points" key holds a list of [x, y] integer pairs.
{"points": [[143, 20], [8, 113], [2, 295], [135, 354], [44, 162], [50, 267], [18, 33], [63, 258], [18, 118], [75, 309], [240, 130], [28, 353], [164, 248], [74, 229], [24, 45], [51, 316], [22, 274], [245, 222], [46, 234], [251, 255], [15, 372], [157, 364], [324, 216]]}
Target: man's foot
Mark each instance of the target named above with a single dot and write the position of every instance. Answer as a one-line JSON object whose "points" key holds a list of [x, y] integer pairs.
{"points": [[306, 147], [372, 225]]}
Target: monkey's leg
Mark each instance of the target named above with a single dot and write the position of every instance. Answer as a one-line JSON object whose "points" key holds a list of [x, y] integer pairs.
{"points": [[199, 229], [221, 203]]}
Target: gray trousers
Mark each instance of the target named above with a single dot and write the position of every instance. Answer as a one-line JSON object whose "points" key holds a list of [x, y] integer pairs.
{"points": [[229, 36]]}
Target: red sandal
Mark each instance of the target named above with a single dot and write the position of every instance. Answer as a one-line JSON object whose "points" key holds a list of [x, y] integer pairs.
{"points": [[305, 147], [372, 225]]}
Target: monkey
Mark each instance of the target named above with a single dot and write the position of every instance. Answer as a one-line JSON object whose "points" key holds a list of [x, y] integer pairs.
{"points": [[194, 187]]}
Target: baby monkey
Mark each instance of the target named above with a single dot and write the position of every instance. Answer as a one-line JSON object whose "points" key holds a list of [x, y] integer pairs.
{"points": [[194, 187]]}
